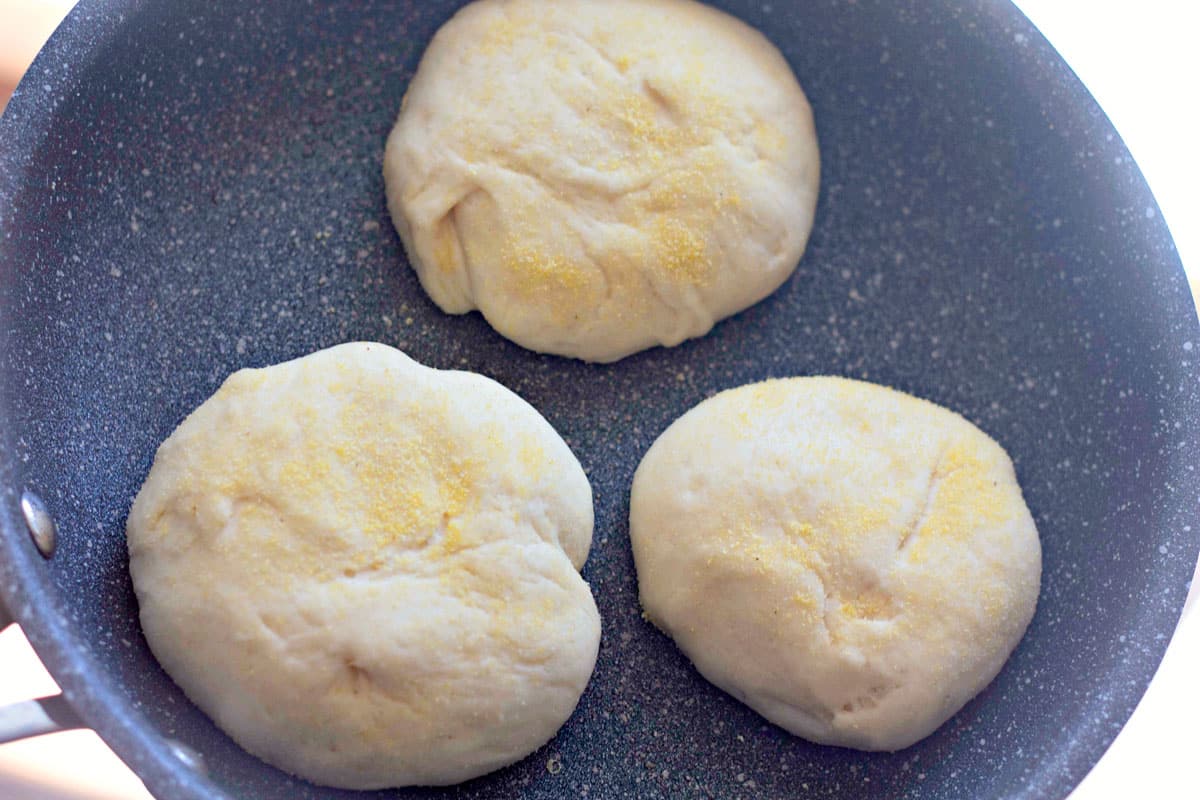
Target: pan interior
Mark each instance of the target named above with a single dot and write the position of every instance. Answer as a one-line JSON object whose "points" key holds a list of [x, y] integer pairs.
{"points": [[197, 189]]}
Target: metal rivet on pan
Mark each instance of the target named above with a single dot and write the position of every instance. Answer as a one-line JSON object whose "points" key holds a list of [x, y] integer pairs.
{"points": [[190, 758], [40, 523]]}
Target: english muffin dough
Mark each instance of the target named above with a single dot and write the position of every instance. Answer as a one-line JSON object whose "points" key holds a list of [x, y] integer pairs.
{"points": [[851, 562], [366, 571], [601, 176]]}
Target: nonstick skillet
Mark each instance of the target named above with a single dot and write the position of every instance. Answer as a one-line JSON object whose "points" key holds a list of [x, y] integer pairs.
{"points": [[189, 188]]}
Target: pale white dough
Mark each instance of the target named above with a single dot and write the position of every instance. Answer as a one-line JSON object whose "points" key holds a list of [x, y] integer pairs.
{"points": [[601, 176], [851, 562], [366, 571]]}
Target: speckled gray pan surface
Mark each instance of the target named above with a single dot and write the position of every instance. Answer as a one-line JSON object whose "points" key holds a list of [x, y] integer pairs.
{"points": [[190, 188]]}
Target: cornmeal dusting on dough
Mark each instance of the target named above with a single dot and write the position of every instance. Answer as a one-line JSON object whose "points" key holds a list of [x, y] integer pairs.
{"points": [[965, 496], [681, 251], [678, 213], [533, 270], [853, 562], [869, 604], [503, 34], [446, 256], [650, 166]]}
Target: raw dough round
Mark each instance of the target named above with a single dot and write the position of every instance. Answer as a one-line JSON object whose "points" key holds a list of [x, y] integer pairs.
{"points": [[601, 176], [851, 562], [366, 571]]}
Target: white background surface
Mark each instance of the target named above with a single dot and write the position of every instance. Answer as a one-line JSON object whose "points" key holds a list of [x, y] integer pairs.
{"points": [[1141, 60]]}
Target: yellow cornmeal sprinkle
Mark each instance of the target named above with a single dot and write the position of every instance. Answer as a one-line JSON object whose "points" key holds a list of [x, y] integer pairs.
{"points": [[681, 251], [799, 530], [869, 604], [762, 552], [363, 489], [847, 525], [681, 208], [445, 250], [828, 541], [647, 136], [765, 397], [405, 481], [502, 35], [966, 495], [532, 457], [675, 216], [534, 269], [826, 547]]}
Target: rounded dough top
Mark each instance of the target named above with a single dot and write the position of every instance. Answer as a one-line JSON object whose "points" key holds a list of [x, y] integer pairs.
{"points": [[851, 562], [365, 570], [601, 176]]}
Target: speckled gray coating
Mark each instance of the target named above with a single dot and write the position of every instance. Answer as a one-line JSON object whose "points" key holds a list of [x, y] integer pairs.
{"points": [[190, 188]]}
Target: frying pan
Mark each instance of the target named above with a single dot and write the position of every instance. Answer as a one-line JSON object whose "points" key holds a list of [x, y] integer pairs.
{"points": [[193, 187]]}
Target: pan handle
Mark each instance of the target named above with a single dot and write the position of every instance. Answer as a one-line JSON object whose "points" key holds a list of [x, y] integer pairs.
{"points": [[34, 717], [53, 714]]}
